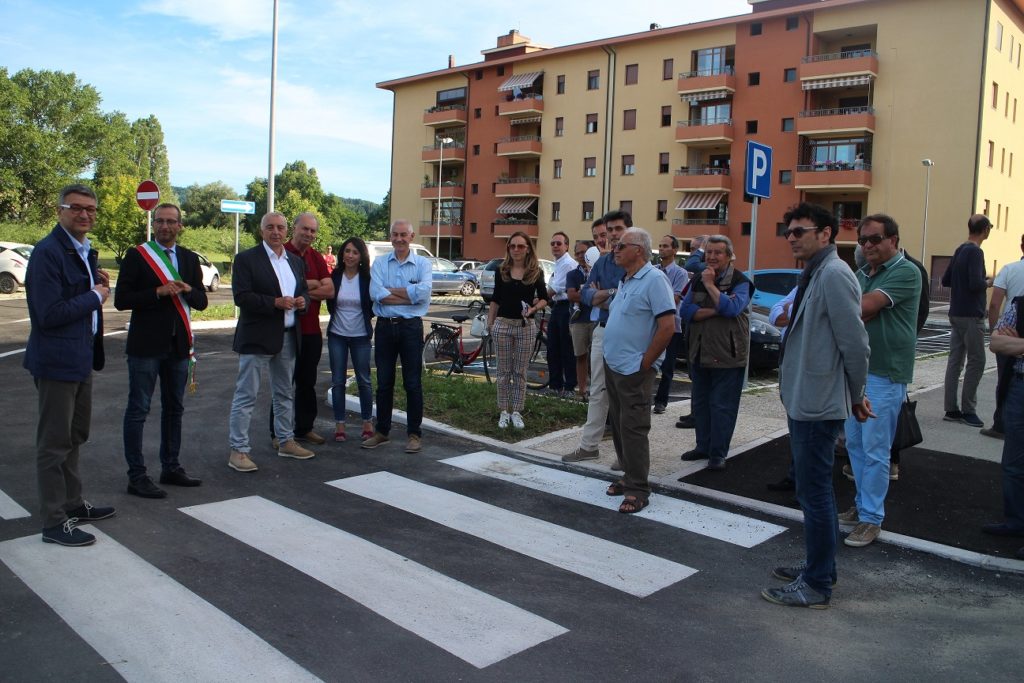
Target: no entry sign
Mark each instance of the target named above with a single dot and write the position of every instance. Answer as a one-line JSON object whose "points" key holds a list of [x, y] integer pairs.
{"points": [[148, 195]]}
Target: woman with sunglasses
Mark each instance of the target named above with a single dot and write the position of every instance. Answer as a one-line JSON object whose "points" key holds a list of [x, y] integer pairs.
{"points": [[519, 292], [349, 332]]}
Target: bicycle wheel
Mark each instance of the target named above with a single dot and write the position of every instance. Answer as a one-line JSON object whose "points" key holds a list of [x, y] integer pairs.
{"points": [[440, 350]]}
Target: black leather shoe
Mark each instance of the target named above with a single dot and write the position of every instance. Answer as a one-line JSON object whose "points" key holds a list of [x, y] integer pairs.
{"points": [[67, 534], [784, 484], [1020, 553], [691, 456], [1002, 529], [685, 422], [716, 463], [145, 488], [179, 477], [90, 513]]}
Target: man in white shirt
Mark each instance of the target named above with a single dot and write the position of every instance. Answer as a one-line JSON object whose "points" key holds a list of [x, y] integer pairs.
{"points": [[561, 359], [1008, 285]]}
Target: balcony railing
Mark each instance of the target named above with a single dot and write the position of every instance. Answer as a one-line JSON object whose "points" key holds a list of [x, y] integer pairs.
{"points": [[447, 183], [835, 166], [444, 221], [849, 223], [714, 71], [720, 121], [507, 181], [445, 107], [832, 56], [710, 170], [841, 111], [700, 221], [520, 138], [449, 145], [516, 221]]}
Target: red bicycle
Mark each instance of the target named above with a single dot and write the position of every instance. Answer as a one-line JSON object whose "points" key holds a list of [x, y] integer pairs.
{"points": [[446, 350]]}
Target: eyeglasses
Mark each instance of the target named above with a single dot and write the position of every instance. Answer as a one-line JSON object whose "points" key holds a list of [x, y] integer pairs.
{"points": [[874, 239], [517, 246], [171, 222], [76, 208], [799, 232], [622, 245], [557, 243]]}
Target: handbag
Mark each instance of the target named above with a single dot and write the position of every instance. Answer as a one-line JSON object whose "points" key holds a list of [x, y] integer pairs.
{"points": [[478, 328], [908, 431]]}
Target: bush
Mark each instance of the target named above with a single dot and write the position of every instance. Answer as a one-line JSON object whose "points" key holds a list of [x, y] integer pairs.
{"points": [[214, 242], [24, 233]]}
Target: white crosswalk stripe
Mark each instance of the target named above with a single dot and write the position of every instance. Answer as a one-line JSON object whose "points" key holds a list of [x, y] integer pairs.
{"points": [[139, 619], [462, 620], [10, 509], [583, 554], [699, 519]]}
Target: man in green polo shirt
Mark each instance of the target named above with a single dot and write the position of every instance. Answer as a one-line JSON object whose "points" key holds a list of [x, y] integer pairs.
{"points": [[891, 287]]}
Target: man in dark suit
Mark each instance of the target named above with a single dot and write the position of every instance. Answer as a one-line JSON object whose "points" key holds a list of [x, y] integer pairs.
{"points": [[66, 291], [160, 282], [269, 286]]}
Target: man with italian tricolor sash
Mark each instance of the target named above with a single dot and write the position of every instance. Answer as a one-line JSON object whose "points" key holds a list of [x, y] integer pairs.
{"points": [[160, 282]]}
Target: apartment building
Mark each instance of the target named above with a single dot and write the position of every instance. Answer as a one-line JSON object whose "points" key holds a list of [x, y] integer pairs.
{"points": [[853, 96]]}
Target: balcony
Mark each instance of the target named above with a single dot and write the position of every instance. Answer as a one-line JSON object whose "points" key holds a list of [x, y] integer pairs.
{"points": [[702, 180], [447, 190], [455, 153], [705, 132], [517, 187], [838, 69], [820, 122], [520, 146], [833, 176], [504, 227], [721, 79], [523, 105], [448, 228], [448, 115], [691, 227]]}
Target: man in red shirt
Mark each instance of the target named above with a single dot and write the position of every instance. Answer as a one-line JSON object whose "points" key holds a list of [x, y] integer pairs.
{"points": [[321, 288]]}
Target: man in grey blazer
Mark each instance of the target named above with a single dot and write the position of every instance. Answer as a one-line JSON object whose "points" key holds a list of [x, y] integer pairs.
{"points": [[822, 377], [269, 286]]}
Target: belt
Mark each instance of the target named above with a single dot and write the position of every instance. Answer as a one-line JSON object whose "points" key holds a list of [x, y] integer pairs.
{"points": [[562, 302], [397, 319]]}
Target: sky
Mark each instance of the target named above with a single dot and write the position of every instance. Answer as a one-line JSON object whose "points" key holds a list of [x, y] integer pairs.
{"points": [[202, 67]]}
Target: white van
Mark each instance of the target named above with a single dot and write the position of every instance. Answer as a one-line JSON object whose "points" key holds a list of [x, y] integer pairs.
{"points": [[382, 248]]}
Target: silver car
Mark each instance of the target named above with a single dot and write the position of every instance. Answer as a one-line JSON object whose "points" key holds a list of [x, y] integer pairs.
{"points": [[487, 275]]}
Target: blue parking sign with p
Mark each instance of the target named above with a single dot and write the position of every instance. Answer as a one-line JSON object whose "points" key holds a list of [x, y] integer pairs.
{"points": [[758, 178]]}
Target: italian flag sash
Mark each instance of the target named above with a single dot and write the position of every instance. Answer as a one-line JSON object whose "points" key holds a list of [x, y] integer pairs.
{"points": [[154, 255]]}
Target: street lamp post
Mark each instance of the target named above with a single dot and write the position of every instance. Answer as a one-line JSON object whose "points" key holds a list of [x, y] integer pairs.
{"points": [[440, 181], [273, 85], [927, 163]]}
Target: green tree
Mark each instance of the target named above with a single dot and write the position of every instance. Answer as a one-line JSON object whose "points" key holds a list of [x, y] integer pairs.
{"points": [[120, 224], [150, 154], [379, 222], [201, 205], [115, 155]]}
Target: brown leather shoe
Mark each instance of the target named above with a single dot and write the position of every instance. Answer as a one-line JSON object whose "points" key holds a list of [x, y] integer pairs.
{"points": [[377, 439], [290, 449], [413, 445], [311, 437]]}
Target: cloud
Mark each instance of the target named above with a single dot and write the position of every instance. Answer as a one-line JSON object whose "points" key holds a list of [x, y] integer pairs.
{"points": [[228, 19]]}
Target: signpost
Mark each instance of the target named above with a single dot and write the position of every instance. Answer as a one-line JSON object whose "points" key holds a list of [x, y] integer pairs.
{"points": [[757, 182], [237, 207], [148, 196]]}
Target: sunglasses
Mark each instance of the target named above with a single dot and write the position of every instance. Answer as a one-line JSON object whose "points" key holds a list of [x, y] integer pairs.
{"points": [[622, 245], [798, 232], [517, 246], [874, 239]]}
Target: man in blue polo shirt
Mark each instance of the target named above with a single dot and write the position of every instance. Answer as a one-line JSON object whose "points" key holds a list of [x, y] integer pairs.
{"points": [[641, 323]]}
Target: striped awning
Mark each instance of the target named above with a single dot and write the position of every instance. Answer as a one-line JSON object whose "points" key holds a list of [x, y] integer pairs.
{"points": [[843, 82], [706, 95], [516, 205], [530, 119], [699, 201], [520, 81]]}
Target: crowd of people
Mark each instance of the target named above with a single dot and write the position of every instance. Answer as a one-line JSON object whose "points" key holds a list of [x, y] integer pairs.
{"points": [[617, 320]]}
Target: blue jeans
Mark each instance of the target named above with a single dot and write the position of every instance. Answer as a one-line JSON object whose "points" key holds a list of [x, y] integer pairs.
{"points": [[339, 348], [870, 443], [715, 403], [813, 445], [561, 358], [1013, 454], [668, 368], [142, 376], [399, 339], [281, 367]]}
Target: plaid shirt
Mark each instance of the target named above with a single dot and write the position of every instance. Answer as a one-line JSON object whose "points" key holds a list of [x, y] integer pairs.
{"points": [[1009, 319]]}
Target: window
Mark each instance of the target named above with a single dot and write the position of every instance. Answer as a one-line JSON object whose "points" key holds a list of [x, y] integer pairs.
{"points": [[987, 207], [632, 74], [785, 177], [629, 119], [476, 150], [999, 36], [1010, 51], [991, 153], [594, 79], [754, 78], [627, 206], [666, 115], [756, 28], [745, 228], [589, 167], [667, 69], [560, 85], [999, 214], [556, 211], [995, 95], [751, 127], [1002, 161], [788, 125], [1006, 106], [557, 171], [477, 113], [662, 210], [559, 127], [789, 75], [714, 113], [588, 211], [663, 162], [628, 164], [713, 61], [472, 227], [474, 188], [501, 71], [780, 229], [792, 23], [451, 96], [479, 74], [591, 123]]}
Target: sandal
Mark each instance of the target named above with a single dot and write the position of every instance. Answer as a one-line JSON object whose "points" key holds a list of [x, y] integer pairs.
{"points": [[367, 433], [339, 435], [631, 504], [615, 489]]}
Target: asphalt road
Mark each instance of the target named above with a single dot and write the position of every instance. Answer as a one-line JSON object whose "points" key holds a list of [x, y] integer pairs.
{"points": [[441, 566]]}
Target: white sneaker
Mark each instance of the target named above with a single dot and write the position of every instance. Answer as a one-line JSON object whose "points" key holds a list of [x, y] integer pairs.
{"points": [[503, 420], [517, 421]]}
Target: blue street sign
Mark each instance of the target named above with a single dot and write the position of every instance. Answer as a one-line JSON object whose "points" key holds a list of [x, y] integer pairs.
{"points": [[758, 176], [237, 206]]}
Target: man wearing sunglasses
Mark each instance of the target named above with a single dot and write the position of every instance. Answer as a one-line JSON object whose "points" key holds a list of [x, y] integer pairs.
{"points": [[561, 359], [822, 375], [891, 287]]}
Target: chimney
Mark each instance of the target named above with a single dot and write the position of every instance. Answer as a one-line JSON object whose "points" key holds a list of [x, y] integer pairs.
{"points": [[451, 61]]}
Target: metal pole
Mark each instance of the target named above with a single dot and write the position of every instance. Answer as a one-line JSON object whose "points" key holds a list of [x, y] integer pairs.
{"points": [[149, 226], [440, 177], [273, 84], [236, 255], [927, 187], [750, 274]]}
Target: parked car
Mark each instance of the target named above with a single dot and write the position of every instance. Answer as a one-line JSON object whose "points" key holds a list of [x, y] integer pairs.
{"points": [[772, 285], [211, 276], [381, 248], [765, 344], [448, 278], [489, 270], [463, 264], [13, 265]]}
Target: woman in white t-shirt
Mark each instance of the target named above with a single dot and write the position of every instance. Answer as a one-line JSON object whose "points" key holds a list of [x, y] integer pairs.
{"points": [[349, 332]]}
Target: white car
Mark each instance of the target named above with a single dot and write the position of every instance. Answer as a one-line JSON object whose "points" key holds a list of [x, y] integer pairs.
{"points": [[211, 276], [13, 265]]}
